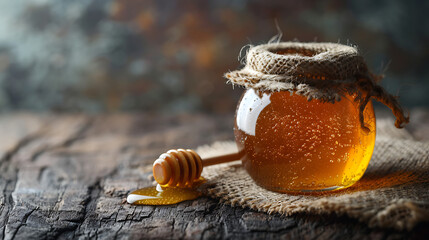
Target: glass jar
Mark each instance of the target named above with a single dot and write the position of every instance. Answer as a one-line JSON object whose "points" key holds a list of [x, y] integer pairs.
{"points": [[291, 144]]}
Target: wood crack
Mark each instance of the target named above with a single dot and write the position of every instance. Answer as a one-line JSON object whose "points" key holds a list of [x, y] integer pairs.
{"points": [[78, 134], [22, 223], [10, 173]]}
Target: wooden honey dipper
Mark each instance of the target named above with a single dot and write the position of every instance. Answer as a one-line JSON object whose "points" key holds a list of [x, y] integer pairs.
{"points": [[180, 167]]}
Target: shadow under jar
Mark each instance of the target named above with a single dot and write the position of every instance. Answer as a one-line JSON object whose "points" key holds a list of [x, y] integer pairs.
{"points": [[291, 144]]}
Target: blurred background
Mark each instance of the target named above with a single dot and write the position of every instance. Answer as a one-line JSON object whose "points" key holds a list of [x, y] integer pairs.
{"points": [[170, 56]]}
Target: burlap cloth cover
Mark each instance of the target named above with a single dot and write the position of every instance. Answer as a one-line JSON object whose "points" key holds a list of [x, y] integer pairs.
{"points": [[394, 190], [393, 193], [323, 71]]}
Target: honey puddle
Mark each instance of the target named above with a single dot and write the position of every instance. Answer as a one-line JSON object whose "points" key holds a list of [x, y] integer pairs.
{"points": [[164, 195]]}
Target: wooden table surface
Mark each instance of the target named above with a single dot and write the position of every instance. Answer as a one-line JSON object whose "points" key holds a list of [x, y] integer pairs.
{"points": [[66, 176]]}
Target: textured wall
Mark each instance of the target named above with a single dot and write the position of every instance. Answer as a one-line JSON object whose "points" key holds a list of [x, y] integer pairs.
{"points": [[61, 55]]}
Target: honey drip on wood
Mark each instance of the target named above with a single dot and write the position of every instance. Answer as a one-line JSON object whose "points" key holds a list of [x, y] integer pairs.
{"points": [[164, 195]]}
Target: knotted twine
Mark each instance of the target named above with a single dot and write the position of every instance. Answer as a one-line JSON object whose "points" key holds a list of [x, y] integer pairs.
{"points": [[323, 71]]}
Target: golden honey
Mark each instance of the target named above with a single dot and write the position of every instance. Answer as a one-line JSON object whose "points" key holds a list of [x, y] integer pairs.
{"points": [[165, 195], [162, 196], [294, 145]]}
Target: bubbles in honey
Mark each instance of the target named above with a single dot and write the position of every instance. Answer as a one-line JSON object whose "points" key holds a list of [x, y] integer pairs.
{"points": [[292, 144]]}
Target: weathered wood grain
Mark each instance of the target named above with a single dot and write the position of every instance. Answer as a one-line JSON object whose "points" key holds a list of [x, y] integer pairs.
{"points": [[66, 177]]}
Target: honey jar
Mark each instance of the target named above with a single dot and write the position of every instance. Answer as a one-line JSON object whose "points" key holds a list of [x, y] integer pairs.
{"points": [[291, 144], [305, 121]]}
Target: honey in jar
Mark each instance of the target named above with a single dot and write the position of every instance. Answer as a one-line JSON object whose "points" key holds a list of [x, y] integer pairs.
{"points": [[291, 144]]}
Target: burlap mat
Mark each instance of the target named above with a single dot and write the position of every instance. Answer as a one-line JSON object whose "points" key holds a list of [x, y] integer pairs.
{"points": [[393, 193]]}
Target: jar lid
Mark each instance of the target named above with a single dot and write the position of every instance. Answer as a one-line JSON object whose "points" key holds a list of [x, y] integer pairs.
{"points": [[323, 71]]}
